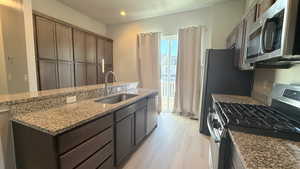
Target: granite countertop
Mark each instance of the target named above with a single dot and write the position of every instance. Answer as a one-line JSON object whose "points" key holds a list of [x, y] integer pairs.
{"points": [[57, 120], [6, 99], [261, 152]]}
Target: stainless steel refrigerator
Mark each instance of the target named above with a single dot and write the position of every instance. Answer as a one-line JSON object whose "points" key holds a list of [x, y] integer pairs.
{"points": [[220, 76]]}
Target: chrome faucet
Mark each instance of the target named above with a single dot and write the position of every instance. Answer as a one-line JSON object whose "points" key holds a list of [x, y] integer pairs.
{"points": [[106, 80]]}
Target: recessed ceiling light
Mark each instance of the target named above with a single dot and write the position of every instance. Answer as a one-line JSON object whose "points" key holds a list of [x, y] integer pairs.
{"points": [[123, 13]]}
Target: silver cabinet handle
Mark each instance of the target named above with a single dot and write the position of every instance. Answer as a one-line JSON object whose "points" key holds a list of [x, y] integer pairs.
{"points": [[103, 64]]}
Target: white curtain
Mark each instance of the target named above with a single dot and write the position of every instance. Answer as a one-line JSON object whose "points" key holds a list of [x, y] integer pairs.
{"points": [[148, 55], [192, 42]]}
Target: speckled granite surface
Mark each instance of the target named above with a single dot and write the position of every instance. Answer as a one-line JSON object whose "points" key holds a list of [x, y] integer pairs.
{"points": [[57, 120], [260, 152], [47, 94]]}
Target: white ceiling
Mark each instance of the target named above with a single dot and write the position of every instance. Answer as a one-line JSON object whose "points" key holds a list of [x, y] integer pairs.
{"points": [[108, 11]]}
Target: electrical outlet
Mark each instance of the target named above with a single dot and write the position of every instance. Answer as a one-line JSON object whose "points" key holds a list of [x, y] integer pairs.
{"points": [[118, 89], [71, 99]]}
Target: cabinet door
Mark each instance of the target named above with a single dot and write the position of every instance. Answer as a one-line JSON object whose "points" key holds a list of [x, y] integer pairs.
{"points": [[91, 50], [100, 78], [91, 74], [152, 113], [140, 125], [64, 42], [79, 46], [108, 55], [66, 74], [80, 74], [100, 50], [45, 38], [48, 74], [124, 138]]}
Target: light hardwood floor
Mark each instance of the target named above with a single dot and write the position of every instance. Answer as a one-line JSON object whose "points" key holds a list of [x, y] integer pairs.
{"points": [[175, 144]]}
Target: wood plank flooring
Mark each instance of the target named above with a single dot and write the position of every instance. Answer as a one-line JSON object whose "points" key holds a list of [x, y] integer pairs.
{"points": [[175, 144]]}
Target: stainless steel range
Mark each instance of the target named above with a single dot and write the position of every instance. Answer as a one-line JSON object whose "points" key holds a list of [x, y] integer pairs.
{"points": [[281, 120]]}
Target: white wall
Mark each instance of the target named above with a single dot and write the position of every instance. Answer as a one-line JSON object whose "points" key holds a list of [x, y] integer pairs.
{"points": [[14, 45], [3, 73], [220, 19], [62, 12], [30, 48]]}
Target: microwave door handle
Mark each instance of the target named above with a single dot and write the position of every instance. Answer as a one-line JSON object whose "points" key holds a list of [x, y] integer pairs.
{"points": [[210, 128], [262, 38]]}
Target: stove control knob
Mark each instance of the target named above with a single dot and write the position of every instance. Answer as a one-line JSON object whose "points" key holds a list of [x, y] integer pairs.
{"points": [[216, 124]]}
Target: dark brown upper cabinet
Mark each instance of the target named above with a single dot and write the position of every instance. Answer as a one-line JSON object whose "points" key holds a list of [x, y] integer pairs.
{"points": [[91, 48], [45, 38], [108, 55], [91, 74], [48, 74], [69, 56], [80, 74], [100, 75], [64, 42], [79, 46], [66, 74], [100, 50]]}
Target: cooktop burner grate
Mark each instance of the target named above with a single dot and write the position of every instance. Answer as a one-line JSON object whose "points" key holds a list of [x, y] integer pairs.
{"points": [[259, 119]]}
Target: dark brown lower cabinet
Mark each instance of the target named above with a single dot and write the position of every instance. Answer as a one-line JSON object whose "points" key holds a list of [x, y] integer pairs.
{"points": [[102, 143], [124, 138], [107, 164], [89, 146], [140, 125], [130, 130]]}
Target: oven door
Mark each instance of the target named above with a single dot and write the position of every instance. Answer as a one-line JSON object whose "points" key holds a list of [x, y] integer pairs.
{"points": [[218, 142]]}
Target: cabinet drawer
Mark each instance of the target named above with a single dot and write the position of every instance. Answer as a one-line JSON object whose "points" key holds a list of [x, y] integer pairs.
{"points": [[70, 139], [141, 104], [121, 114], [98, 158], [86, 149], [108, 164]]}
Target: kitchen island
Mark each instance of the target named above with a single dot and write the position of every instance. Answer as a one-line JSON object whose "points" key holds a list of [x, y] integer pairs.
{"points": [[91, 132]]}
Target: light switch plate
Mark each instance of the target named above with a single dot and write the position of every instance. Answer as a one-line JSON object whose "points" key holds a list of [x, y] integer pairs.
{"points": [[71, 99]]}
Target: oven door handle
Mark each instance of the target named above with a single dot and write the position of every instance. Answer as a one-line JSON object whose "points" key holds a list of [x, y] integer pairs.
{"points": [[210, 128]]}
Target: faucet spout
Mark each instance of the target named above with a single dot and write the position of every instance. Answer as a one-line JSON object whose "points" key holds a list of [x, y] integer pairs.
{"points": [[106, 80]]}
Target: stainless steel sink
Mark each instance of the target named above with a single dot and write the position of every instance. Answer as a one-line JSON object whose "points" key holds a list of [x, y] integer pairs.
{"points": [[116, 98]]}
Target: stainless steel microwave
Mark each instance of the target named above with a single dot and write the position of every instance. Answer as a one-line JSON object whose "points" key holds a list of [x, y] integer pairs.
{"points": [[275, 36]]}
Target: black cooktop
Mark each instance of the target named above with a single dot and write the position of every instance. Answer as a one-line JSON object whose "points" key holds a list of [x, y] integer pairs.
{"points": [[259, 119]]}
